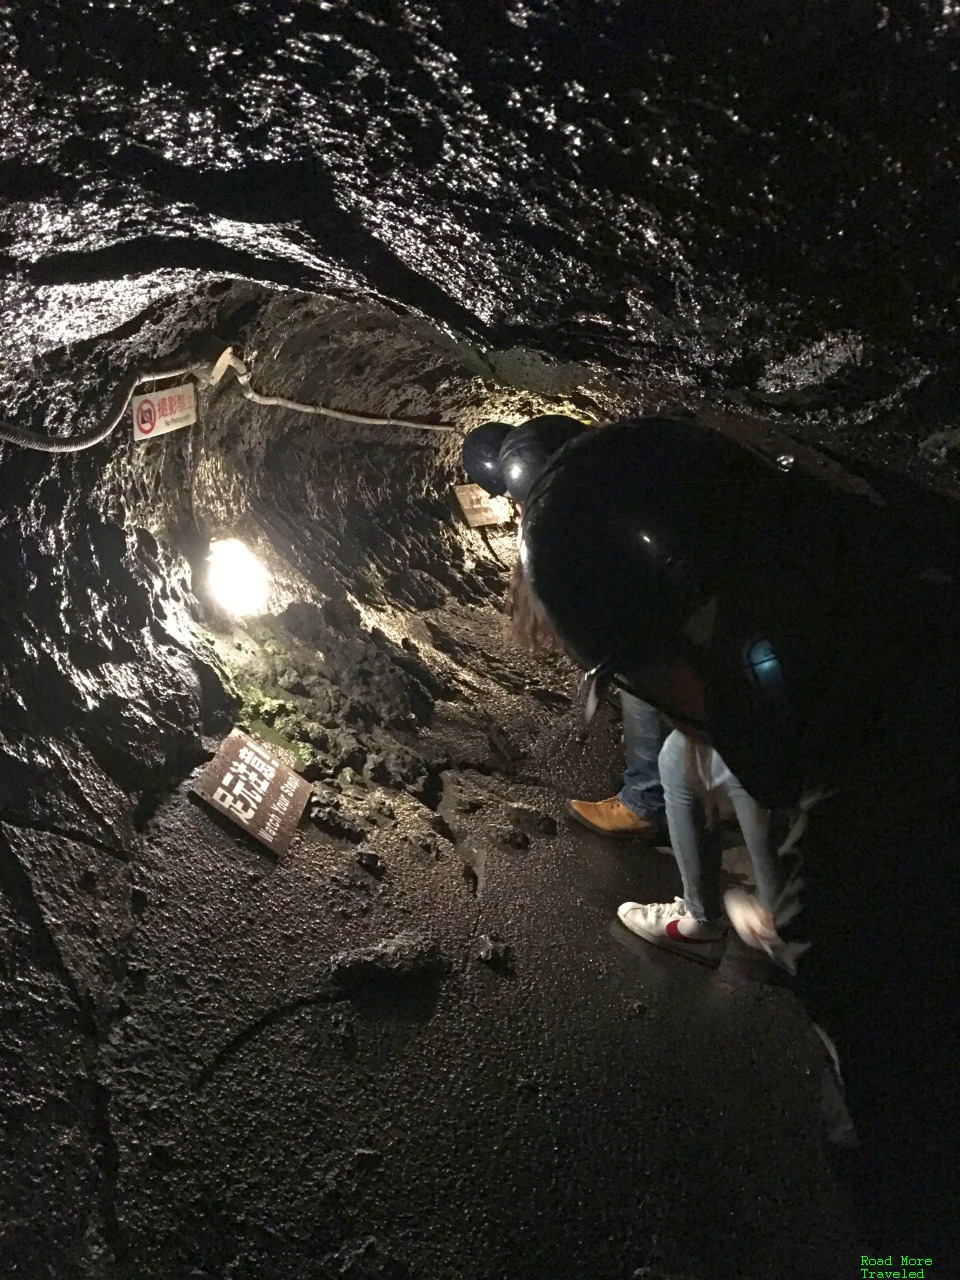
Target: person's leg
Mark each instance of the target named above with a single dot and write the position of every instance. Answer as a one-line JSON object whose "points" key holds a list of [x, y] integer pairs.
{"points": [[638, 809], [642, 793], [695, 846], [755, 824], [691, 925], [753, 917]]}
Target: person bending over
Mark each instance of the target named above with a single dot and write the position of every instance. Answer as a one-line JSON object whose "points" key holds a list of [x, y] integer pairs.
{"points": [[506, 460], [791, 624]]}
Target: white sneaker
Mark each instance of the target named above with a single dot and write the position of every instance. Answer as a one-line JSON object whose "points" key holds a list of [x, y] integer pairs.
{"points": [[670, 925]]}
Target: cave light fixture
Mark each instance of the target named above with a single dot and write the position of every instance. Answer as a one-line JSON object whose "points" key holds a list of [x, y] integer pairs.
{"points": [[238, 582]]}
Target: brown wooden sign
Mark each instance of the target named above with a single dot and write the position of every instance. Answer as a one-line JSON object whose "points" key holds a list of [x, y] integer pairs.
{"points": [[479, 508], [253, 787]]}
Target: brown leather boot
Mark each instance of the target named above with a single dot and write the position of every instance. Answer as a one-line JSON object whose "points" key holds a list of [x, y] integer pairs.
{"points": [[612, 818]]}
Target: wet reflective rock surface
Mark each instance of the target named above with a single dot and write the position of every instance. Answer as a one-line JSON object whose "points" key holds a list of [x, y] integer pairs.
{"points": [[759, 205]]}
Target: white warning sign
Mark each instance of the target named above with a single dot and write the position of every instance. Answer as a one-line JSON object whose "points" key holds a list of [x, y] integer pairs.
{"points": [[162, 411]]}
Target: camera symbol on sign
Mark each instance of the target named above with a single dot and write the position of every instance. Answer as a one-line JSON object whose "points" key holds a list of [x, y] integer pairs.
{"points": [[146, 417]]}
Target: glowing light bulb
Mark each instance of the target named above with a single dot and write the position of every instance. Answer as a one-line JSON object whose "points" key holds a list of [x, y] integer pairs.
{"points": [[237, 580]]}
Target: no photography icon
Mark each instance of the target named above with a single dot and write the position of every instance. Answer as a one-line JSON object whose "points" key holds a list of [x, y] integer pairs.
{"points": [[146, 417]]}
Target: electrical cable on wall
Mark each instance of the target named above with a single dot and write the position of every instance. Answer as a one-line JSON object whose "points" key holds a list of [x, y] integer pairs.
{"points": [[208, 373], [29, 440], [243, 377]]}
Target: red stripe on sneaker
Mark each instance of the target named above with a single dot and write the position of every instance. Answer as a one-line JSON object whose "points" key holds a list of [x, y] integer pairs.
{"points": [[673, 931]]}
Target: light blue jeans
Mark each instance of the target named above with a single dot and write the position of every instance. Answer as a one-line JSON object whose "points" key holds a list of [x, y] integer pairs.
{"points": [[642, 736], [697, 847]]}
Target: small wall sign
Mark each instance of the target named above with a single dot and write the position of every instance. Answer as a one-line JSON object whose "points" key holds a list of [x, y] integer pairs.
{"points": [[479, 508], [162, 411], [255, 789]]}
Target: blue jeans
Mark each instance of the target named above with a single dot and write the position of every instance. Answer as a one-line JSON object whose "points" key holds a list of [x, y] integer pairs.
{"points": [[642, 793], [697, 847]]}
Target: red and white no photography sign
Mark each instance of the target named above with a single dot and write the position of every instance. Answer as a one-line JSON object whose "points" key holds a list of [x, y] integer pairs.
{"points": [[163, 411], [253, 787]]}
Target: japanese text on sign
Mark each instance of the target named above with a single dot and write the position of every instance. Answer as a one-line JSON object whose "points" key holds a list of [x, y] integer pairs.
{"points": [[246, 781], [162, 411]]}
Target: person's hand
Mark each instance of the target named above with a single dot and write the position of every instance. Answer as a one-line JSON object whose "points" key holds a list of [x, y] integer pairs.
{"points": [[757, 927]]}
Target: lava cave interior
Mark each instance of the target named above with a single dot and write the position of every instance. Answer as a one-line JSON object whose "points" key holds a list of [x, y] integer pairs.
{"points": [[416, 1045]]}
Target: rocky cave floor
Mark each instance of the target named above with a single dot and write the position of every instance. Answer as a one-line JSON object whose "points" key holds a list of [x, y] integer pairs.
{"points": [[418, 1044]]}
